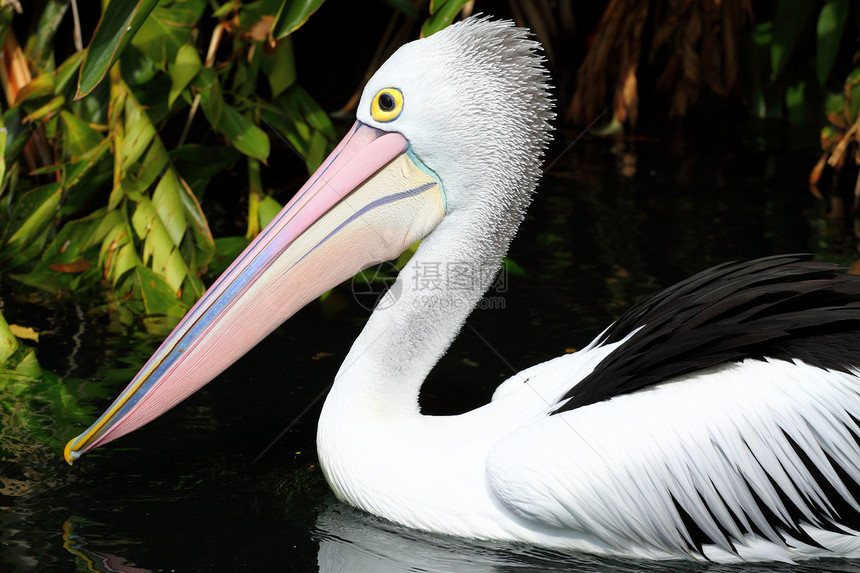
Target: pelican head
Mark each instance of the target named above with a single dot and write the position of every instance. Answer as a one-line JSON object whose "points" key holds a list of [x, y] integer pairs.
{"points": [[449, 131], [472, 101]]}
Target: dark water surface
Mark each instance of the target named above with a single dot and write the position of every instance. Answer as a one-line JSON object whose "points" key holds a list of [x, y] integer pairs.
{"points": [[615, 220]]}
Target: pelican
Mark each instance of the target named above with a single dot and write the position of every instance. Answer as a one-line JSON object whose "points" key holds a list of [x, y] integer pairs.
{"points": [[719, 420]]}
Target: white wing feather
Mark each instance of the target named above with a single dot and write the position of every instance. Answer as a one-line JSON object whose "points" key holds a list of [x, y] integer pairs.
{"points": [[718, 445]]}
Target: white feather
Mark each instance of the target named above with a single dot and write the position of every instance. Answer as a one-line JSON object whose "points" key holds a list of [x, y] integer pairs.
{"points": [[613, 467]]}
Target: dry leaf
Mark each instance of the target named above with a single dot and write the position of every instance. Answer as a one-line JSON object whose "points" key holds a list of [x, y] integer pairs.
{"points": [[701, 40], [78, 266], [815, 175], [24, 332]]}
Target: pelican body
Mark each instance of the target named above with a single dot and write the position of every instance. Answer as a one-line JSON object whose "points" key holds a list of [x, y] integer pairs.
{"points": [[719, 420]]}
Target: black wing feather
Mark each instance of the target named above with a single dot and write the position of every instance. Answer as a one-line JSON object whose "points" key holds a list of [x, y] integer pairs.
{"points": [[783, 307]]}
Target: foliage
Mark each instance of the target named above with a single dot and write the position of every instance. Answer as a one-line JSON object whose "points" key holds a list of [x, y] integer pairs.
{"points": [[442, 13], [101, 177], [722, 45], [700, 38], [730, 47], [96, 187], [840, 138]]}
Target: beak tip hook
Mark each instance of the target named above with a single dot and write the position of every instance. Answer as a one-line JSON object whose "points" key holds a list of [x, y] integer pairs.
{"points": [[69, 455]]}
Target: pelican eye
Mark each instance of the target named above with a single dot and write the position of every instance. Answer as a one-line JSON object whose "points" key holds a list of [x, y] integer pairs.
{"points": [[387, 105], [386, 102]]}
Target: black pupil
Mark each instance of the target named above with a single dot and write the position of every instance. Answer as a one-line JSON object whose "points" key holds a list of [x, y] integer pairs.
{"points": [[386, 102]]}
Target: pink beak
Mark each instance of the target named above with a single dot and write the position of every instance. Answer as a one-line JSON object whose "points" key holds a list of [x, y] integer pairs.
{"points": [[368, 201]]}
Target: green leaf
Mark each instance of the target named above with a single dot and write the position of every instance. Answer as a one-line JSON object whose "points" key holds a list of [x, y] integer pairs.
{"points": [[226, 9], [301, 121], [167, 29], [119, 23], [107, 223], [280, 67], [255, 194], [150, 167], [185, 67], [831, 23], [82, 165], [211, 96], [834, 103], [227, 249], [203, 240], [159, 250], [65, 73], [292, 15], [32, 213], [405, 6], [28, 365], [8, 342], [138, 69], [192, 289], [253, 14], [80, 138], [155, 295], [198, 164], [443, 17], [511, 267], [795, 102], [854, 93], [244, 82], [67, 257], [168, 206], [117, 255], [40, 47], [243, 134], [17, 133], [47, 110], [268, 210], [791, 17], [139, 132], [39, 86], [116, 195], [317, 151], [2, 156]]}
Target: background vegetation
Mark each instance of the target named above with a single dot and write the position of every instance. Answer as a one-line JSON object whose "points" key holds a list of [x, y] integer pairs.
{"points": [[131, 130]]}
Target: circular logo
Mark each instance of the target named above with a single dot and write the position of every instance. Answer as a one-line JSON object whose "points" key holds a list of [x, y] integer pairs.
{"points": [[375, 286]]}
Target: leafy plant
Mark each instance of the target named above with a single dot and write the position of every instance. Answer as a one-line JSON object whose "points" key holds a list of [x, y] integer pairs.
{"points": [[729, 47], [102, 175], [840, 138], [96, 187]]}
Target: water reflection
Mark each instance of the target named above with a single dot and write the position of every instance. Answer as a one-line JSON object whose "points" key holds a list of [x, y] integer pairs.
{"points": [[351, 541], [355, 542], [89, 559]]}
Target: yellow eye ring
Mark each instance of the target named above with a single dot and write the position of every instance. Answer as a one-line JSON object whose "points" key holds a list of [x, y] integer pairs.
{"points": [[387, 105]]}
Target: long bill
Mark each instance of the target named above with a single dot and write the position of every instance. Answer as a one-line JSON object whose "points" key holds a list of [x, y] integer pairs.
{"points": [[367, 203]]}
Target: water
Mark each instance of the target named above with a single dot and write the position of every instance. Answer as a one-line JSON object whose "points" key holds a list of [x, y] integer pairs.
{"points": [[615, 221]]}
